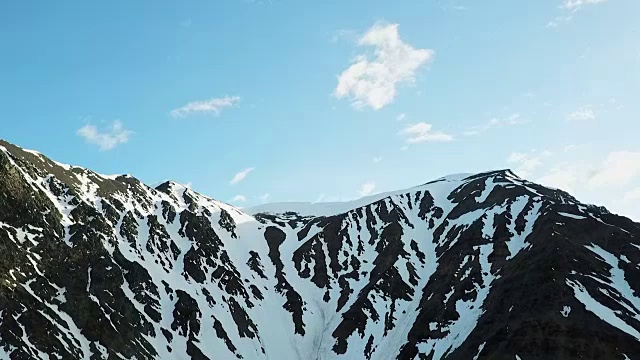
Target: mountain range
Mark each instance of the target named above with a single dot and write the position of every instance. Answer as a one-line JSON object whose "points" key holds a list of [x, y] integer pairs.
{"points": [[468, 266]]}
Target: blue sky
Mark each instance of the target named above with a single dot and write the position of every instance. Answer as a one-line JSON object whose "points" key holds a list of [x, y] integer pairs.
{"points": [[329, 100]]}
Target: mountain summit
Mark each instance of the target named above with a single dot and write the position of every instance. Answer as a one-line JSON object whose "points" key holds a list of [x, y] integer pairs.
{"points": [[473, 266]]}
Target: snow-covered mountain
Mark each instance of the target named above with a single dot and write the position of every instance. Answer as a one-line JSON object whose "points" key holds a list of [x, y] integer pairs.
{"points": [[483, 266]]}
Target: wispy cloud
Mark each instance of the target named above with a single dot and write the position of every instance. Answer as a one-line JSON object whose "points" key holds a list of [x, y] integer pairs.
{"points": [[213, 107], [559, 20], [422, 132], [377, 159], [400, 117], [239, 198], [615, 104], [455, 7], [259, 2], [374, 83], [513, 119], [265, 197], [572, 6], [595, 177], [632, 195], [510, 120], [367, 188], [340, 34], [565, 176], [105, 139], [527, 163], [241, 175], [618, 169], [583, 114], [578, 4]]}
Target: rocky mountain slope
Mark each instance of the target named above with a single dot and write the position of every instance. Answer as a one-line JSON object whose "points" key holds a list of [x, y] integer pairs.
{"points": [[485, 266]]}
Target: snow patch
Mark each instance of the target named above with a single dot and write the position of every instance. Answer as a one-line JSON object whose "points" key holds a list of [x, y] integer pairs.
{"points": [[479, 351], [489, 185], [573, 216], [518, 241]]}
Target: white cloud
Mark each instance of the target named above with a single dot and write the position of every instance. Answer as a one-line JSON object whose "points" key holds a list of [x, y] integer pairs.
{"points": [[510, 120], [106, 139], [265, 197], [213, 106], [400, 117], [577, 4], [422, 132], [377, 159], [367, 188], [618, 169], [527, 163], [241, 175], [239, 198], [583, 114], [373, 82]]}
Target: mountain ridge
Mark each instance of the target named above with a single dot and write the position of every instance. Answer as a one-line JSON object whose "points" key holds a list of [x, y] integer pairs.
{"points": [[487, 266]]}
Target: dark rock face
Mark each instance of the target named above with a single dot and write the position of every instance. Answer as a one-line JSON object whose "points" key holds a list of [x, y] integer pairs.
{"points": [[485, 266]]}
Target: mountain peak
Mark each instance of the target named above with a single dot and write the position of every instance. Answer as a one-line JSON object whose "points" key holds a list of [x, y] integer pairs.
{"points": [[168, 186], [469, 266]]}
